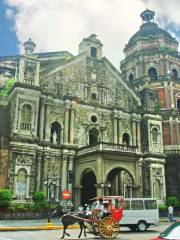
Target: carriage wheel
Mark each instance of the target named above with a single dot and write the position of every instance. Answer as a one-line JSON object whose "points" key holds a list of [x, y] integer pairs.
{"points": [[108, 228]]}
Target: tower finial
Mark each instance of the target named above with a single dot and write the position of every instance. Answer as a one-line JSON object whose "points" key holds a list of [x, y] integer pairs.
{"points": [[29, 46], [147, 16]]}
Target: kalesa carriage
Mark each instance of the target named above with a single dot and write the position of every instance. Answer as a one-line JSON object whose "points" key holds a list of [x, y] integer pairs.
{"points": [[106, 226]]}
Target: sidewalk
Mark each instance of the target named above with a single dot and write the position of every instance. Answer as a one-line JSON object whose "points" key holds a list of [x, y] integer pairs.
{"points": [[42, 224], [27, 225]]}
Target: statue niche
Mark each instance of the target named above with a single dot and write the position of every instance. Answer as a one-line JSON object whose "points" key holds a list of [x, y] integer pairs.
{"points": [[55, 133]]}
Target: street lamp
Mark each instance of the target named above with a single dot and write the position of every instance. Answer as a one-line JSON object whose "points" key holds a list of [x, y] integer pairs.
{"points": [[51, 185]]}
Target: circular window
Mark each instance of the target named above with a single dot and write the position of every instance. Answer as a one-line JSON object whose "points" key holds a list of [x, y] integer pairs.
{"points": [[93, 119]]}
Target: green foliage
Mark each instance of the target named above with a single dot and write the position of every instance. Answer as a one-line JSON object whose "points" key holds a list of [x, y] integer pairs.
{"points": [[20, 207], [39, 200], [162, 206], [5, 91], [173, 201], [157, 108], [5, 198]]}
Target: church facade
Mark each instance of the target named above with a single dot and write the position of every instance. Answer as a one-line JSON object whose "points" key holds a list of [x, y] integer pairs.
{"points": [[77, 123]]}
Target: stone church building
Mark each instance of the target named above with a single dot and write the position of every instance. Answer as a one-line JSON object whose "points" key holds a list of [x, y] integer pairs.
{"points": [[78, 123]]}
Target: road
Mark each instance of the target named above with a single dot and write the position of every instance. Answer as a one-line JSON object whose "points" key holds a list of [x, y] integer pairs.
{"points": [[125, 234]]}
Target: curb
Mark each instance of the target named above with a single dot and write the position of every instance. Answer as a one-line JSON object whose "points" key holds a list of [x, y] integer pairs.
{"points": [[34, 228], [49, 227]]}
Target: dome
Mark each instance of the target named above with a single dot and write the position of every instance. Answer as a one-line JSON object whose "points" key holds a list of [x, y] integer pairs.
{"points": [[148, 30]]}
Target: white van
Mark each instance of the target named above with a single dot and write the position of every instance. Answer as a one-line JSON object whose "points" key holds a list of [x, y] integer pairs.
{"points": [[140, 213]]}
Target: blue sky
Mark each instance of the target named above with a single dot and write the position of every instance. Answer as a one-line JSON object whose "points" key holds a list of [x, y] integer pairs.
{"points": [[8, 38], [59, 25]]}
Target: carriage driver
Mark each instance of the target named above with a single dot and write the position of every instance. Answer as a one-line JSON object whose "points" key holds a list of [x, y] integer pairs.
{"points": [[99, 209]]}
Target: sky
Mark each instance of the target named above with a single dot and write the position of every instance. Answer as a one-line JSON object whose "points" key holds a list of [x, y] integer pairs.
{"points": [[58, 25]]}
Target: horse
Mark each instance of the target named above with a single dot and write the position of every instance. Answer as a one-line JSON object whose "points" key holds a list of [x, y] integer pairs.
{"points": [[70, 218]]}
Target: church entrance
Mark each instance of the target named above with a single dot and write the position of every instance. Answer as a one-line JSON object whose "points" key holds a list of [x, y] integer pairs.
{"points": [[120, 182], [88, 181]]}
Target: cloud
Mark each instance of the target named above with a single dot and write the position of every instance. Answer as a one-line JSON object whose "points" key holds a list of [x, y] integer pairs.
{"points": [[62, 24], [9, 14], [167, 14]]}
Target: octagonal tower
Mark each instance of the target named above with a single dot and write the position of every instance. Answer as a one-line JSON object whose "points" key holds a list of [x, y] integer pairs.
{"points": [[152, 63]]}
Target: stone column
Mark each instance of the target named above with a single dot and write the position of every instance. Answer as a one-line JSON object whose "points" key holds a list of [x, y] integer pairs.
{"points": [[100, 176], [99, 191], [70, 168], [177, 131], [140, 182], [138, 134], [37, 74], [46, 132], [164, 184], [134, 137], [41, 122], [115, 127], [21, 70], [64, 177], [19, 118], [166, 95], [33, 121], [72, 126], [120, 127], [77, 196], [64, 172], [66, 122], [171, 130], [16, 120], [171, 94], [44, 170], [38, 172], [27, 185]]}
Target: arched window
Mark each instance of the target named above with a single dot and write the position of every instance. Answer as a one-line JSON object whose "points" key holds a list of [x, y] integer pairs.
{"points": [[29, 76], [55, 133], [155, 134], [93, 136], [174, 73], [131, 77], [26, 118], [126, 139], [152, 73], [94, 96], [21, 184], [178, 104]]}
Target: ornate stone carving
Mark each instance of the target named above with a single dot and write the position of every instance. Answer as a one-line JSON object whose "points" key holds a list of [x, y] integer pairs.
{"points": [[22, 159]]}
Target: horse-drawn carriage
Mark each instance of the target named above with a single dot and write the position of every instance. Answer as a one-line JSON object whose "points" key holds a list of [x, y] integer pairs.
{"points": [[107, 225]]}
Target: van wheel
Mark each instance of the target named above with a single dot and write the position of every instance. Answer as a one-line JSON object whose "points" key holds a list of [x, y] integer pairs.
{"points": [[142, 226]]}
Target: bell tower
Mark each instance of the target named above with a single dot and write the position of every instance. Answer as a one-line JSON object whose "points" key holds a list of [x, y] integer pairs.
{"points": [[92, 46]]}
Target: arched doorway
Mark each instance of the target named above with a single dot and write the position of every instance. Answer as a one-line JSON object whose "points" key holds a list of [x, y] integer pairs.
{"points": [[88, 181], [120, 182]]}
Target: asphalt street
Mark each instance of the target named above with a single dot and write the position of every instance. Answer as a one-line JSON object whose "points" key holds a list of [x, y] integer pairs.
{"points": [[125, 234]]}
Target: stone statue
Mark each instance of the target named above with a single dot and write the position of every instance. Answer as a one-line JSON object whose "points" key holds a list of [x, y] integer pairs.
{"points": [[54, 136], [81, 136]]}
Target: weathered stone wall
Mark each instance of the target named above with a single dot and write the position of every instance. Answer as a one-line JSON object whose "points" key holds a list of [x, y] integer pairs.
{"points": [[4, 136]]}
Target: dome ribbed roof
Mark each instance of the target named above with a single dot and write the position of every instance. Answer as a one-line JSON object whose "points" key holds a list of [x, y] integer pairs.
{"points": [[147, 30]]}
